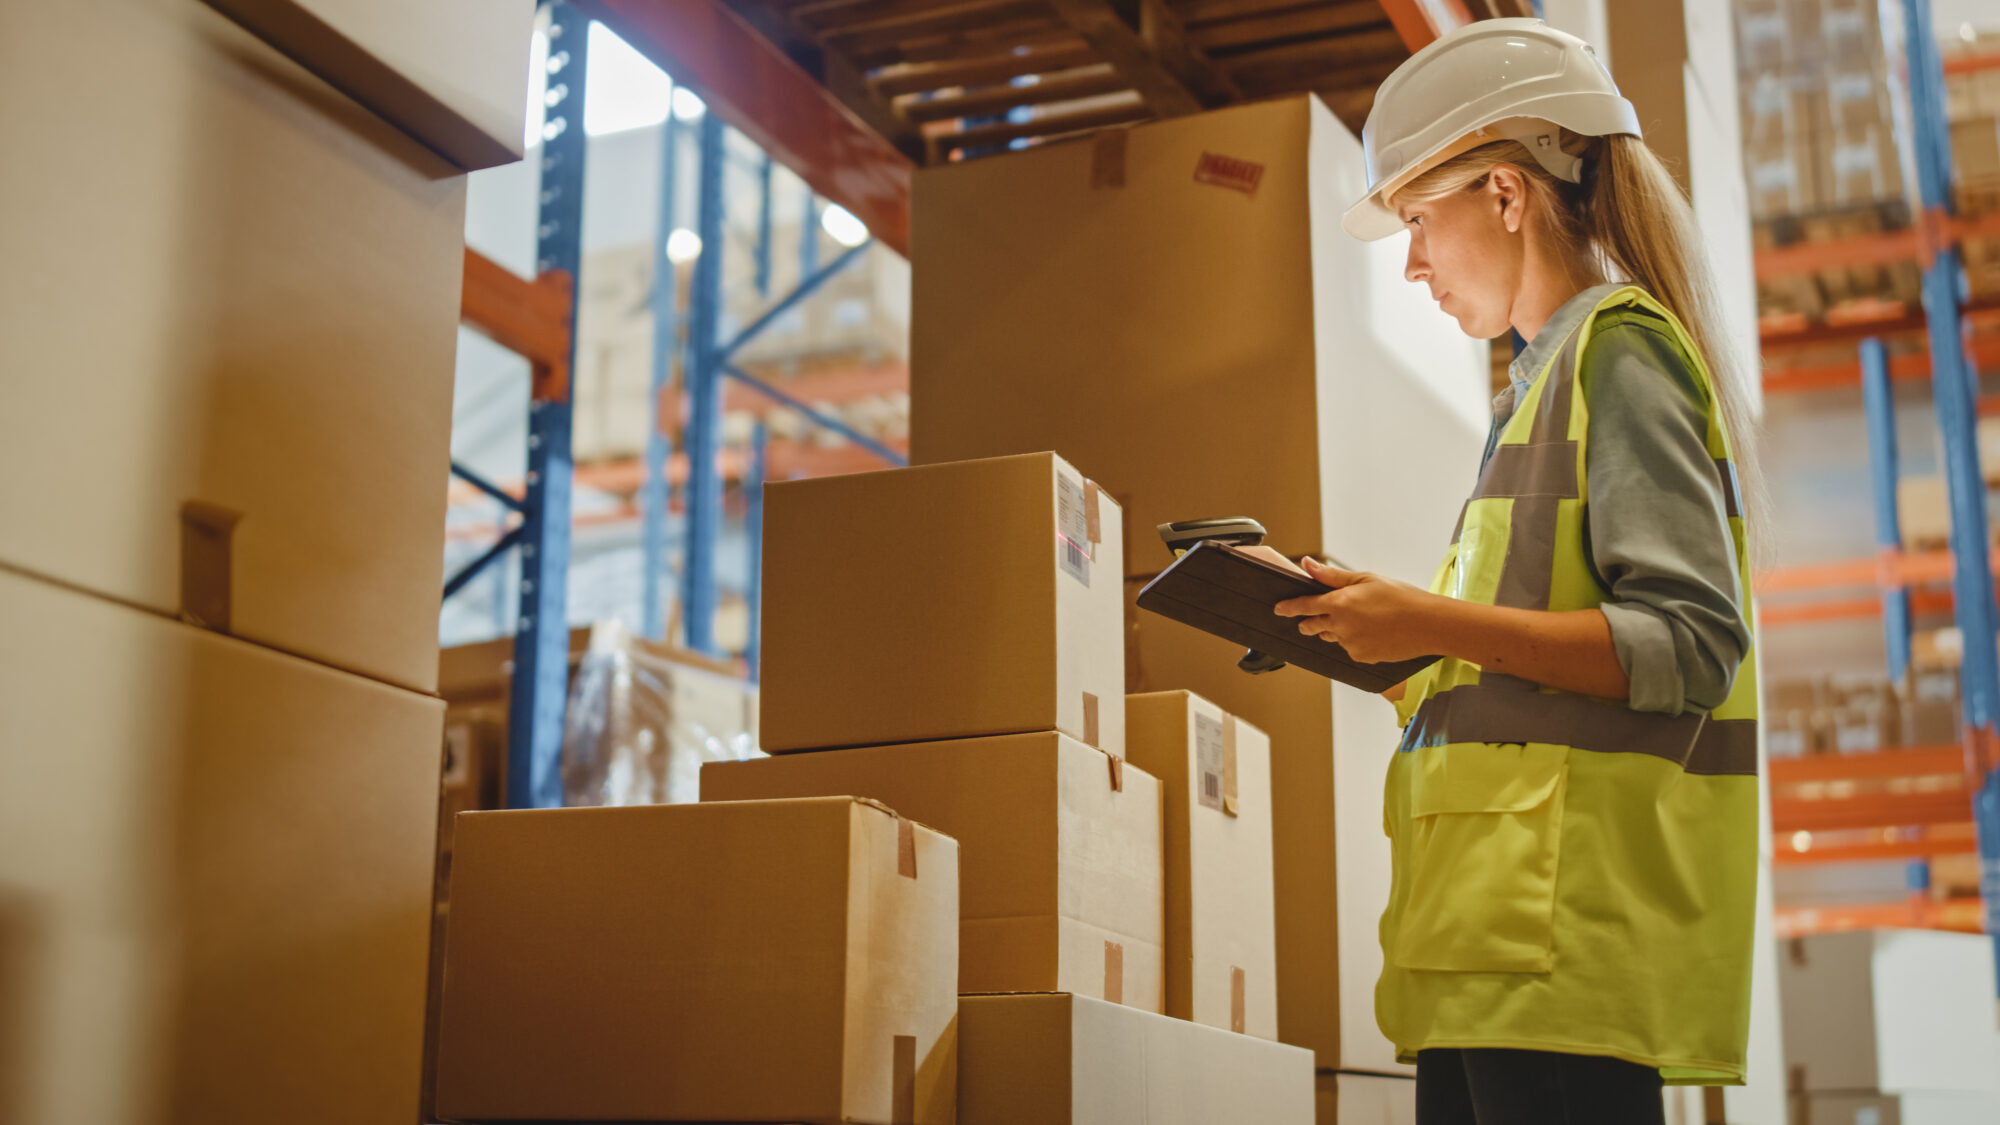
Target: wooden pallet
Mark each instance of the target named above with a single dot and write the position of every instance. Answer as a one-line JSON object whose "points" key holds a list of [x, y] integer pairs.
{"points": [[951, 79]]}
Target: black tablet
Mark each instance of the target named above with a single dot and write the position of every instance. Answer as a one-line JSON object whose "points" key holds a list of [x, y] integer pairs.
{"points": [[1222, 590]]}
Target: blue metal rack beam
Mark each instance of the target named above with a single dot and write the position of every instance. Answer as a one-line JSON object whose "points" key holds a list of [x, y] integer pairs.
{"points": [[826, 420], [666, 346], [1955, 391], [1879, 399], [541, 644], [704, 426], [753, 520], [808, 285]]}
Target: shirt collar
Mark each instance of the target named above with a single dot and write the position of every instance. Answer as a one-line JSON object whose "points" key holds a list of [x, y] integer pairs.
{"points": [[1524, 367]]}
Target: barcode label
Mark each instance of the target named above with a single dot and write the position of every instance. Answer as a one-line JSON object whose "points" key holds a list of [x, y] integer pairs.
{"points": [[1072, 528], [1208, 759]]}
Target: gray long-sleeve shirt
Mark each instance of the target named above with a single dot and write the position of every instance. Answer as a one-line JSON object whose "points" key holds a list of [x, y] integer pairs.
{"points": [[1656, 523]]}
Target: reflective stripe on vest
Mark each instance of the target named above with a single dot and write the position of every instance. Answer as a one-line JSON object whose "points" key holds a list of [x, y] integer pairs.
{"points": [[1536, 473]]}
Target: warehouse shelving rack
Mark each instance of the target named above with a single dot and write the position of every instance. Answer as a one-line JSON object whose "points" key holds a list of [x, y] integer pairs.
{"points": [[536, 320], [1933, 820]]}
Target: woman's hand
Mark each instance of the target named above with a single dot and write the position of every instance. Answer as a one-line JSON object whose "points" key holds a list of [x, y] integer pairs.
{"points": [[1375, 619]]}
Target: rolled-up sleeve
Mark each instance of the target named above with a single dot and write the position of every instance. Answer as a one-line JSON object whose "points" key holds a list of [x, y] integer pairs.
{"points": [[1657, 523]]}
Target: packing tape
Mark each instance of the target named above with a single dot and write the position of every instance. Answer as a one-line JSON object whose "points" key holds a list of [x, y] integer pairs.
{"points": [[1107, 159], [906, 847], [1235, 999], [1090, 514], [208, 534], [1117, 772], [1712, 1106], [1090, 732], [903, 1081], [1114, 972], [1229, 764]]}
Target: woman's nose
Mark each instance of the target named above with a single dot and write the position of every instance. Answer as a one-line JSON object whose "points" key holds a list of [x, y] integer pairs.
{"points": [[1416, 267]]}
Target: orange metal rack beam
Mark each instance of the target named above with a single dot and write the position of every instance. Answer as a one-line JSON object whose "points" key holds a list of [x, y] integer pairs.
{"points": [[776, 103], [529, 318]]}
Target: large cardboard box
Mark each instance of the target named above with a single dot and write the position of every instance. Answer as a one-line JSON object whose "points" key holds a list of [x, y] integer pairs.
{"points": [[942, 602], [756, 961], [1366, 1099], [215, 874], [232, 309], [1215, 777], [450, 73], [1330, 748], [1175, 307], [1060, 851], [1898, 1109], [1891, 1010], [1071, 1060]]}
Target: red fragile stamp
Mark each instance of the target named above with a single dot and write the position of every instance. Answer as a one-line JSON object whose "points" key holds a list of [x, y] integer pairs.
{"points": [[1229, 172]]}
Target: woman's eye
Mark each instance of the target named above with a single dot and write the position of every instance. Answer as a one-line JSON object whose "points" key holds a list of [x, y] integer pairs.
{"points": [[1415, 220]]}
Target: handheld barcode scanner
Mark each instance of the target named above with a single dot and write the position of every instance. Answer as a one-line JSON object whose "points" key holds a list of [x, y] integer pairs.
{"points": [[1241, 531]]}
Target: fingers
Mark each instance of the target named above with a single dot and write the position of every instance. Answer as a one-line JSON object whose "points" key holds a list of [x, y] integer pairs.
{"points": [[1329, 575], [1311, 605]]}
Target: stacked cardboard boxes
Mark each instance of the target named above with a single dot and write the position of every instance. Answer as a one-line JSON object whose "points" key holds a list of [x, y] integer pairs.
{"points": [[753, 961], [231, 311], [1892, 1026], [1217, 346], [947, 640], [1826, 119]]}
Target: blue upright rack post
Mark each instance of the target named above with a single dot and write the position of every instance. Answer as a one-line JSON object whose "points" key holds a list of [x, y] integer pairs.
{"points": [[1955, 391], [541, 644], [666, 345], [753, 526], [1880, 402], [704, 424]]}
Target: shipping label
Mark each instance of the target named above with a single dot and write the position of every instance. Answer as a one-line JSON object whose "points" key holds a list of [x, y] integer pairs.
{"points": [[1208, 760], [1073, 547]]}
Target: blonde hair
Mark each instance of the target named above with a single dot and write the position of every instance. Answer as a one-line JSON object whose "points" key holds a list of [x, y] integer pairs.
{"points": [[1627, 221]]}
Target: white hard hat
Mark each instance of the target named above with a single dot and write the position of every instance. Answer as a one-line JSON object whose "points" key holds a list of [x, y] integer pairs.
{"points": [[1503, 79]]}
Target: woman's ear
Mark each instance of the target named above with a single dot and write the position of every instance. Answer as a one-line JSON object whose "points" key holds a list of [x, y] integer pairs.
{"points": [[1510, 190]]}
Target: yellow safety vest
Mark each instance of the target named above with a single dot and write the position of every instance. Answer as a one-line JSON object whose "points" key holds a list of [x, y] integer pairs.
{"points": [[1569, 874]]}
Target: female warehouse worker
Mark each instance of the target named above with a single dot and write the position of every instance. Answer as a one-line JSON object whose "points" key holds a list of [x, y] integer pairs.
{"points": [[1573, 806]]}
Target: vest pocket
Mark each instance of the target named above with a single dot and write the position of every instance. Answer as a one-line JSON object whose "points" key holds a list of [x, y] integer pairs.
{"points": [[1477, 861]]}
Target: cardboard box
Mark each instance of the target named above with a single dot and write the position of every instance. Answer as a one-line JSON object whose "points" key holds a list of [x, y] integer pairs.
{"points": [[1915, 1108], [1330, 747], [1891, 1010], [1975, 151], [217, 867], [447, 72], [1923, 506], [1071, 1060], [758, 961], [947, 601], [1202, 345], [1215, 776], [1366, 1099], [238, 296], [1060, 851]]}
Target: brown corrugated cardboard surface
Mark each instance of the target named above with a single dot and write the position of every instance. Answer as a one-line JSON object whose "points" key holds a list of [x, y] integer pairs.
{"points": [[1215, 778], [237, 292], [1057, 867], [1071, 1060], [447, 72], [755, 961], [1330, 747], [1200, 350], [215, 874], [942, 602]]}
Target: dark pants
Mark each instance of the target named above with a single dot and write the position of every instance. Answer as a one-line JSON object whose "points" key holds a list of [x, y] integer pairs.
{"points": [[1490, 1086]]}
